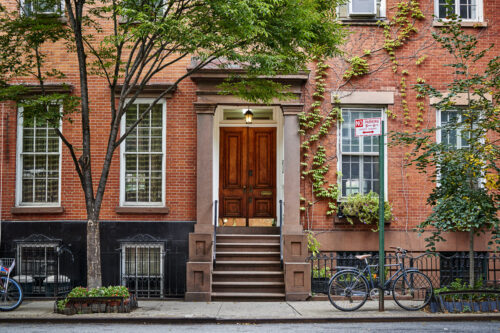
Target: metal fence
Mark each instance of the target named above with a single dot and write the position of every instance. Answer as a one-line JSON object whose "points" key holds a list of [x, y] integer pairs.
{"points": [[442, 268]]}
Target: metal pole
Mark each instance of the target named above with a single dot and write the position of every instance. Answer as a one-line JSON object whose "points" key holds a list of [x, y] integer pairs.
{"points": [[381, 258]]}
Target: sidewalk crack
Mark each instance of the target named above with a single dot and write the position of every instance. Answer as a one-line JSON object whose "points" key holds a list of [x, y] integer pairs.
{"points": [[218, 311], [294, 309]]}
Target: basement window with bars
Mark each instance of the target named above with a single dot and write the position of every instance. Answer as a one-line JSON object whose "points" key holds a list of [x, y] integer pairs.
{"points": [[35, 263], [142, 268]]}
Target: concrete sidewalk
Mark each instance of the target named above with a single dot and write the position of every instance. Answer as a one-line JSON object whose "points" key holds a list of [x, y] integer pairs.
{"points": [[235, 312]]}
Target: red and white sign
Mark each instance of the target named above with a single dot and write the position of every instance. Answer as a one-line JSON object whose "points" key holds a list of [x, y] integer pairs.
{"points": [[368, 127]]}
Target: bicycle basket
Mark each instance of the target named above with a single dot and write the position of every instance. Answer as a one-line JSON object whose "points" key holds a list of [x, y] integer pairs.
{"points": [[6, 265]]}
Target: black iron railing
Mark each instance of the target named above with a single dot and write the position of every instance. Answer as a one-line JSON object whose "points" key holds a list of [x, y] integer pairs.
{"points": [[441, 268], [214, 257], [281, 232]]}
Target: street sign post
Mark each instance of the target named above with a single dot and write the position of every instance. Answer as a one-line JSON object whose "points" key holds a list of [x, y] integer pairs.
{"points": [[375, 127]]}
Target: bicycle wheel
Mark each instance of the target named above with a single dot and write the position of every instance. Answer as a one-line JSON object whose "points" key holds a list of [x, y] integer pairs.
{"points": [[348, 290], [412, 291], [12, 297]]}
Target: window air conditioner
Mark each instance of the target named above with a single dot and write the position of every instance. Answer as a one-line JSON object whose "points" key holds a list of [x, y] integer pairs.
{"points": [[362, 8]]}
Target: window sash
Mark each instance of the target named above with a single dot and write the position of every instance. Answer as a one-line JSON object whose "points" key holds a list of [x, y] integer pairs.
{"points": [[465, 9], [143, 156], [31, 7], [38, 176], [454, 137]]}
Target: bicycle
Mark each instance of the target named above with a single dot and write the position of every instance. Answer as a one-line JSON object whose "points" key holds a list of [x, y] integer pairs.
{"points": [[349, 288], [11, 293]]}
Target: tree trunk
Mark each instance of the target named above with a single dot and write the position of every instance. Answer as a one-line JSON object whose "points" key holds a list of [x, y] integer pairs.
{"points": [[471, 258], [94, 276]]}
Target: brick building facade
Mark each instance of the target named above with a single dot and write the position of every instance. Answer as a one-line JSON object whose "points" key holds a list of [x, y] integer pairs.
{"points": [[176, 220]]}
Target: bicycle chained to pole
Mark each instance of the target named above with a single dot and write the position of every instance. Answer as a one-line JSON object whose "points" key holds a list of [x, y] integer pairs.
{"points": [[349, 288]]}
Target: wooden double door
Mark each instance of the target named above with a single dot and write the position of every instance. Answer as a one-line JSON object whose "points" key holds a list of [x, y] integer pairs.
{"points": [[247, 176]]}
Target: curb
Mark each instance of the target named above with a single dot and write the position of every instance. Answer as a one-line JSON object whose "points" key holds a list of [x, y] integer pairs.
{"points": [[213, 320]]}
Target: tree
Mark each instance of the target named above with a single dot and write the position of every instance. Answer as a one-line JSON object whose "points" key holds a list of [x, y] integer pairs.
{"points": [[464, 165], [130, 42]]}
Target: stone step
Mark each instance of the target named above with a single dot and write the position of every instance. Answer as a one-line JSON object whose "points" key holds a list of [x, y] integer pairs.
{"points": [[249, 287], [241, 296], [247, 247], [229, 238], [247, 256], [247, 276], [258, 265]]}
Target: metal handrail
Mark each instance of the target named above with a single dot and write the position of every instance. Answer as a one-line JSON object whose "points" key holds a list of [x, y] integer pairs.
{"points": [[216, 205], [281, 232]]}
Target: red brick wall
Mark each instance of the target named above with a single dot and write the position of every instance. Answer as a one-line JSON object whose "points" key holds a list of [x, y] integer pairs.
{"points": [[180, 190], [407, 189]]}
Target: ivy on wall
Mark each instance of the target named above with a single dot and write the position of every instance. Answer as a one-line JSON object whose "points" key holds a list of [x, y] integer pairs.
{"points": [[314, 125]]}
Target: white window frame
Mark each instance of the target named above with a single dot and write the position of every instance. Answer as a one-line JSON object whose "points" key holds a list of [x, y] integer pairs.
{"points": [[479, 11], [481, 180], [19, 166], [370, 108], [124, 203], [439, 123], [56, 11]]}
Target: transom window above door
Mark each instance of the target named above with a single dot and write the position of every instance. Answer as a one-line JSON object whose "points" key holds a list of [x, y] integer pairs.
{"points": [[237, 115]]}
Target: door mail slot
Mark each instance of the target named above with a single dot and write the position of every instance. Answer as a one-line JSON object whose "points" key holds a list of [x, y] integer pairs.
{"points": [[266, 193]]}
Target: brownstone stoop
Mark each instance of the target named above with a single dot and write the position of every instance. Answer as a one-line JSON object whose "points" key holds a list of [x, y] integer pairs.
{"points": [[247, 266]]}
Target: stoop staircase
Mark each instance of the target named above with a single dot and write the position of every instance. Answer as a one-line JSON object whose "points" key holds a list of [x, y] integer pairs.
{"points": [[248, 266]]}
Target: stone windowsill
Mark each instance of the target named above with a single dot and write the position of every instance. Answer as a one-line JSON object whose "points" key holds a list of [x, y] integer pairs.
{"points": [[37, 210], [467, 24], [141, 210], [353, 22]]}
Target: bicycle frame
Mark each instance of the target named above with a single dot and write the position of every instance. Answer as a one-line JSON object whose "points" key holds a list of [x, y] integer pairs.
{"points": [[372, 283]]}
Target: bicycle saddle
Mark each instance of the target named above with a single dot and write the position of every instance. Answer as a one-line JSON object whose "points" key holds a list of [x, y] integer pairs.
{"points": [[363, 256]]}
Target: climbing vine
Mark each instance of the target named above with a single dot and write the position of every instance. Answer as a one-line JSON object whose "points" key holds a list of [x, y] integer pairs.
{"points": [[313, 126]]}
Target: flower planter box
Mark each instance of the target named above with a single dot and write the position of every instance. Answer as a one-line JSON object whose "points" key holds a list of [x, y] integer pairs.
{"points": [[463, 306], [85, 305]]}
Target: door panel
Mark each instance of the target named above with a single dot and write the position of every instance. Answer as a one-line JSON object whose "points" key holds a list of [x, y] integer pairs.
{"points": [[262, 163], [233, 160], [247, 186]]}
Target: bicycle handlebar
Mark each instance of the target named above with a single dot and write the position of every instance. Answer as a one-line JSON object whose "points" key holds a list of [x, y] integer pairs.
{"points": [[399, 249]]}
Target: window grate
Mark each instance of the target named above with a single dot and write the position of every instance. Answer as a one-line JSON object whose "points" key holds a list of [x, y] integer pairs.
{"points": [[142, 268]]}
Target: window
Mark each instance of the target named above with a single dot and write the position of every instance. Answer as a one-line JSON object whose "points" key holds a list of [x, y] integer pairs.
{"points": [[358, 162], [39, 156], [143, 156], [142, 268], [35, 262], [452, 135], [362, 10], [467, 10], [31, 7]]}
